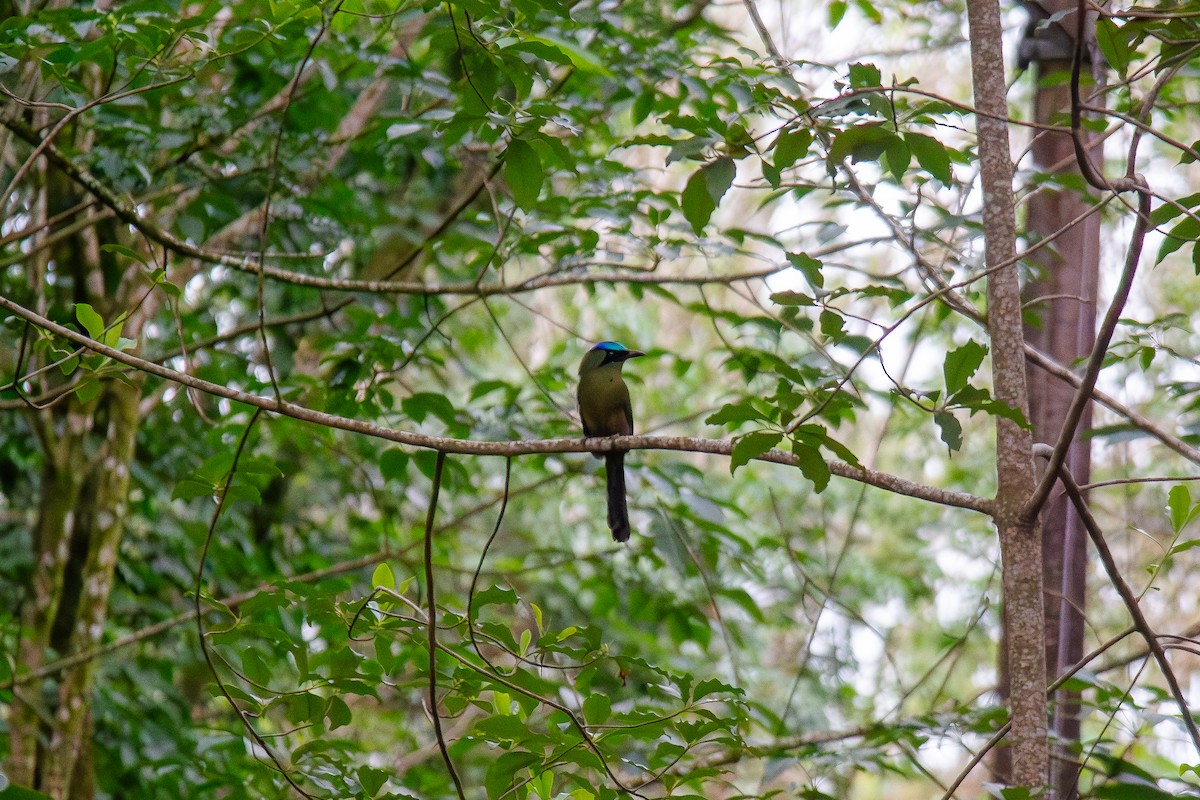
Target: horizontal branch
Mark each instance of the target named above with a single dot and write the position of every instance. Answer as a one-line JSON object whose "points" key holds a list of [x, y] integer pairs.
{"points": [[1137, 420], [882, 480]]}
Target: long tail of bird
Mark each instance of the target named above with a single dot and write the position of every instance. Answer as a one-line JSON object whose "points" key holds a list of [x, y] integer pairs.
{"points": [[618, 513]]}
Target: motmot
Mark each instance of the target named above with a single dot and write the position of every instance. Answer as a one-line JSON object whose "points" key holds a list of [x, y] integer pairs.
{"points": [[605, 410]]}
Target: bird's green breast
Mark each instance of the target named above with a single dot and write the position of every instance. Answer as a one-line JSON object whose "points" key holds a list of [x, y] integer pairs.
{"points": [[604, 402]]}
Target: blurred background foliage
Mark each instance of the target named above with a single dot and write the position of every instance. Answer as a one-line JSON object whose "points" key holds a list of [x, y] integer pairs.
{"points": [[532, 178]]}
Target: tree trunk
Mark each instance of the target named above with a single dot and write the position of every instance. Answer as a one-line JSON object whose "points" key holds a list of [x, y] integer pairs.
{"points": [[99, 525], [1020, 546], [87, 449], [60, 486]]}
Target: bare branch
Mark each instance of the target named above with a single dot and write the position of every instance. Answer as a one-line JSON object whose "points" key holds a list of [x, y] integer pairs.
{"points": [[882, 480]]}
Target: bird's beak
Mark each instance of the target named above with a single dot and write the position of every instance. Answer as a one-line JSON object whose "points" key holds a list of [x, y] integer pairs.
{"points": [[633, 354]]}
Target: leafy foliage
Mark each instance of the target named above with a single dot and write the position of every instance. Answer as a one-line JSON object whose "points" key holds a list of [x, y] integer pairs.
{"points": [[413, 215]]}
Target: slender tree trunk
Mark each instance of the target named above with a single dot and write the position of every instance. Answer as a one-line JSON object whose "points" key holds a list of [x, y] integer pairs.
{"points": [[100, 523], [87, 450], [1061, 322], [60, 486], [1020, 545]]}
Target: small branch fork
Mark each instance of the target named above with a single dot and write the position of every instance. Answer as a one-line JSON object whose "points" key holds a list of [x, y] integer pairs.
{"points": [[1128, 597], [1130, 182]]}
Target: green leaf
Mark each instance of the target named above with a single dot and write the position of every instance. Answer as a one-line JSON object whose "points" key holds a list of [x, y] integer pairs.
{"points": [[865, 76], [836, 12], [69, 365], [812, 464], [88, 390], [951, 429], [580, 57], [642, 107], [382, 577], [505, 771], [931, 155], [484, 388], [839, 449], [393, 464], [736, 413], [92, 322], [898, 157], [1190, 544], [339, 714], [1169, 211], [1112, 44], [751, 446], [771, 174], [255, 668], [304, 707], [504, 728], [419, 406], [159, 277], [998, 408], [543, 784], [597, 708], [790, 298], [523, 172], [809, 267], [495, 595], [1008, 792], [112, 335], [743, 599], [1186, 231], [711, 686], [861, 143], [243, 491], [190, 489], [790, 146], [961, 364], [831, 323], [1179, 502], [537, 616], [704, 191], [371, 779], [121, 249], [869, 11]]}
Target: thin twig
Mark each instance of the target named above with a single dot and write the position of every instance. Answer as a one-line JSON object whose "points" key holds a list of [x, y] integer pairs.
{"points": [[1095, 363], [203, 637], [431, 625], [1127, 594]]}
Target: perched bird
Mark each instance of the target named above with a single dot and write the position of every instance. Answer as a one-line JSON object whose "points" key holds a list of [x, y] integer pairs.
{"points": [[605, 410]]}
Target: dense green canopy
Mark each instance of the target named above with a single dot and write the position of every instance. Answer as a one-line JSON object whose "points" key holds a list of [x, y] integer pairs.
{"points": [[293, 499]]}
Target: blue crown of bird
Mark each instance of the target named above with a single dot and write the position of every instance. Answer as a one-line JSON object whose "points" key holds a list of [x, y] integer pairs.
{"points": [[605, 410]]}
